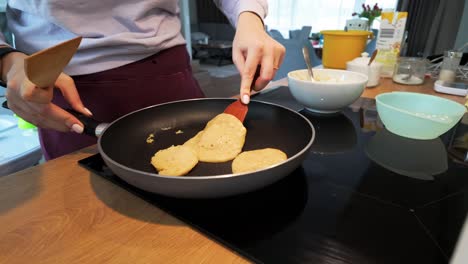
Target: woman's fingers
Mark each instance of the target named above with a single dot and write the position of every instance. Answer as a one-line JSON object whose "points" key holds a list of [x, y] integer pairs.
{"points": [[33, 104], [67, 86], [53, 117], [49, 116], [271, 62], [271, 59], [238, 59], [267, 71], [254, 56], [61, 117], [31, 93], [252, 47]]}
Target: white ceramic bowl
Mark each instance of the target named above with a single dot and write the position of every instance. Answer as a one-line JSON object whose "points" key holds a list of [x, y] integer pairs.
{"points": [[334, 90]]}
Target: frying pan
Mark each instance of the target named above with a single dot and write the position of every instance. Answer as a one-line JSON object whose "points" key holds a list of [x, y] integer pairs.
{"points": [[124, 148]]}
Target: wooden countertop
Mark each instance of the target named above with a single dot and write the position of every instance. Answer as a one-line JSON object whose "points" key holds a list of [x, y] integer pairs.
{"points": [[387, 85], [59, 212]]}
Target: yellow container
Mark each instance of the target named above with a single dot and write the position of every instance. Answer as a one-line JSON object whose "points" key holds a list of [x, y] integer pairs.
{"points": [[341, 46]]}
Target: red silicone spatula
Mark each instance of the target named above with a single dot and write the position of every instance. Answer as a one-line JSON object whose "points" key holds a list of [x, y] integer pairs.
{"points": [[239, 109]]}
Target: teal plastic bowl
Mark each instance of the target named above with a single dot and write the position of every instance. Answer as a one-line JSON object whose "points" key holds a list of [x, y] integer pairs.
{"points": [[418, 116]]}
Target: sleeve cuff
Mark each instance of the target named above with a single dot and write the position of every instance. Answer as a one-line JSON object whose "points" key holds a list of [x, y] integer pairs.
{"points": [[258, 7]]}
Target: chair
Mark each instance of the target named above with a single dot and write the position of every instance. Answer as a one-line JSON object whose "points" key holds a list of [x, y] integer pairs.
{"points": [[293, 59], [275, 34], [302, 33]]}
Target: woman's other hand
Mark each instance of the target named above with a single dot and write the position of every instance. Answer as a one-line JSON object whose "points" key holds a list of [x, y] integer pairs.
{"points": [[33, 103]]}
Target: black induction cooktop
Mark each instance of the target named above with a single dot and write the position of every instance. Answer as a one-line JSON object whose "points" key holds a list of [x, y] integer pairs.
{"points": [[363, 195]]}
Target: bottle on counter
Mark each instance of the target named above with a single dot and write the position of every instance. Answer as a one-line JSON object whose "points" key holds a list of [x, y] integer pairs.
{"points": [[390, 40], [450, 65]]}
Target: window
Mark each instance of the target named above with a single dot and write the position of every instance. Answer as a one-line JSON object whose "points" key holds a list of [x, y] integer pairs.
{"points": [[320, 14]]}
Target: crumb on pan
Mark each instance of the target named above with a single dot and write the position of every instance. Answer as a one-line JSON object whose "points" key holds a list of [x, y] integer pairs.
{"points": [[150, 138], [165, 128], [179, 132]]}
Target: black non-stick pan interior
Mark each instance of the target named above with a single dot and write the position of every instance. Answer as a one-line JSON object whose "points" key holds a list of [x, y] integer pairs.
{"points": [[124, 141]]}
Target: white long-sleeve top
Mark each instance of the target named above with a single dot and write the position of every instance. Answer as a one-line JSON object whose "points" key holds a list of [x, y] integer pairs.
{"points": [[115, 32]]}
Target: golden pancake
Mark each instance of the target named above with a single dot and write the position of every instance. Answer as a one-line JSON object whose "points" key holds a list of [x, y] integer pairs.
{"points": [[193, 142], [258, 159], [222, 139], [175, 160]]}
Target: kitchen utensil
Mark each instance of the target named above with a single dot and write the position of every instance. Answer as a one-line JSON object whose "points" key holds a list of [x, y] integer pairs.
{"points": [[335, 90], [123, 146], [418, 116], [372, 58], [43, 67], [305, 52], [408, 76], [239, 109], [365, 65]]}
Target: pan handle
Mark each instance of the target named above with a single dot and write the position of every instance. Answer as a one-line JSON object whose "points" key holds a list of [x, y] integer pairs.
{"points": [[92, 127]]}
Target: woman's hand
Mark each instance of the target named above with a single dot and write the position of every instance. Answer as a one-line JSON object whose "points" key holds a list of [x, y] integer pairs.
{"points": [[253, 47], [33, 103]]}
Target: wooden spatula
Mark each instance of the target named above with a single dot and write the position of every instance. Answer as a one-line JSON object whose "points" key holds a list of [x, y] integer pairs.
{"points": [[239, 109], [43, 67]]}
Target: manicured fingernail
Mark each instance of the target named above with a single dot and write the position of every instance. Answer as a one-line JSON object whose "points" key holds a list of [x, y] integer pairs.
{"points": [[87, 111], [245, 99], [77, 128]]}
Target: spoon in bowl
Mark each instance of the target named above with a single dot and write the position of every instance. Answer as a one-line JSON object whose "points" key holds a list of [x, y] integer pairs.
{"points": [[372, 58], [305, 52]]}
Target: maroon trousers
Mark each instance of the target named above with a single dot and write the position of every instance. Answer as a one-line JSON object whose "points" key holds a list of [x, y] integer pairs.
{"points": [[166, 76]]}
